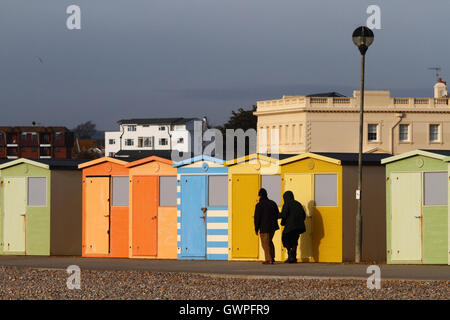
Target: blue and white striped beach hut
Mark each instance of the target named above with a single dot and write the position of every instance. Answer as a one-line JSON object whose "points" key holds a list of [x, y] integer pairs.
{"points": [[202, 209]]}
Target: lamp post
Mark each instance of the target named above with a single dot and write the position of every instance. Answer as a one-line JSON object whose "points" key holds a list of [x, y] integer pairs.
{"points": [[362, 37]]}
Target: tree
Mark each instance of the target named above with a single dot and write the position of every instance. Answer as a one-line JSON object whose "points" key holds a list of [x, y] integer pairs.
{"points": [[84, 130], [240, 119]]}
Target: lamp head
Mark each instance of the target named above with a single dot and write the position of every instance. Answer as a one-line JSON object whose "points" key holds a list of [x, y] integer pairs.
{"points": [[362, 38]]}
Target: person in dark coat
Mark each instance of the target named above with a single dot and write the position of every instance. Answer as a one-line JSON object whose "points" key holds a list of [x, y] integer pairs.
{"points": [[266, 223], [293, 219]]}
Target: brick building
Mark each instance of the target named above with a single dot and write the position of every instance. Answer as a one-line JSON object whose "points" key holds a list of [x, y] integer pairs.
{"points": [[35, 142]]}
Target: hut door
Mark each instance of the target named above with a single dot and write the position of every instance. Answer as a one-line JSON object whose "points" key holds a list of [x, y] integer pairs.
{"points": [[245, 242], [15, 204], [97, 219], [145, 215], [301, 186], [406, 197], [193, 219]]}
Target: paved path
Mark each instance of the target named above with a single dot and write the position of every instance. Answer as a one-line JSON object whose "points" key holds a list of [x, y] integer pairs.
{"points": [[243, 269]]}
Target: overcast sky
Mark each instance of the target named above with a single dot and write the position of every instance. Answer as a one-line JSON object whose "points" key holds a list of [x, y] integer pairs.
{"points": [[194, 58]]}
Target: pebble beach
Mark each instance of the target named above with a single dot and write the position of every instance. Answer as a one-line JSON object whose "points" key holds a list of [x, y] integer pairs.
{"points": [[50, 284]]}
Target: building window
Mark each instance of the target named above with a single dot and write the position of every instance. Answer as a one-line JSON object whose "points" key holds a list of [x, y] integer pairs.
{"points": [[163, 142], [179, 127], [404, 133], [162, 128], [24, 149], [112, 141], [129, 142], [145, 142], [58, 136], [148, 142], [33, 149], [111, 154], [434, 133], [146, 125], [57, 149], [131, 128], [180, 140], [372, 132]]}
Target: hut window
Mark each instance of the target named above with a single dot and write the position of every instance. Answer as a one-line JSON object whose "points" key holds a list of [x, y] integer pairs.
{"points": [[325, 190], [217, 191], [120, 191], [435, 188], [37, 192], [272, 184], [167, 191]]}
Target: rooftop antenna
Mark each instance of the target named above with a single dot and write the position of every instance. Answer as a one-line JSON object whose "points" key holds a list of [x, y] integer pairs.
{"points": [[436, 70]]}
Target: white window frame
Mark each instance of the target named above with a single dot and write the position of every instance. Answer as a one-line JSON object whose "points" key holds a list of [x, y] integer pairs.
{"points": [[127, 142], [439, 133], [377, 126], [408, 126], [111, 141], [161, 140], [131, 127], [162, 128]]}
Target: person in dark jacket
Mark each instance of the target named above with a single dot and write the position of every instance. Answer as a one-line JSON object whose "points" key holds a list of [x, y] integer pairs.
{"points": [[293, 219], [266, 223]]}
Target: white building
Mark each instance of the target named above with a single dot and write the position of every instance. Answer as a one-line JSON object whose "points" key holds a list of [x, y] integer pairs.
{"points": [[161, 134]]}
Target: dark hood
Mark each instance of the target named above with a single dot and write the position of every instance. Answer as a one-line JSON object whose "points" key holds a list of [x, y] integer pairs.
{"points": [[288, 196]]}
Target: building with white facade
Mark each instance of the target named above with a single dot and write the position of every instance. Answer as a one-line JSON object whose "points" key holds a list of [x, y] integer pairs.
{"points": [[154, 134]]}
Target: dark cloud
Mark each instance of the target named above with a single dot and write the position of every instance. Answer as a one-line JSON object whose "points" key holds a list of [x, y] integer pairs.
{"points": [[198, 57]]}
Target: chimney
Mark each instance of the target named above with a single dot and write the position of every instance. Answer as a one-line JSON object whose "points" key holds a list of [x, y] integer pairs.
{"points": [[440, 89]]}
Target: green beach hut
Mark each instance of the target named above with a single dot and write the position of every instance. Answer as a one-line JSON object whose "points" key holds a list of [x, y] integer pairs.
{"points": [[447, 159], [40, 207], [417, 207]]}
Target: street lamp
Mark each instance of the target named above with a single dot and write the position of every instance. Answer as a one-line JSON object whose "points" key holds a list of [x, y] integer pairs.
{"points": [[362, 37]]}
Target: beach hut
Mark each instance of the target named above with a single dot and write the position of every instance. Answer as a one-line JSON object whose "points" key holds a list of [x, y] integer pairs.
{"points": [[325, 184], [40, 205], [246, 175], [417, 207], [202, 208], [105, 208], [153, 208]]}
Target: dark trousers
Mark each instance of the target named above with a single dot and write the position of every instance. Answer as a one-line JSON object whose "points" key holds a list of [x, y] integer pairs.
{"points": [[267, 244], [290, 239]]}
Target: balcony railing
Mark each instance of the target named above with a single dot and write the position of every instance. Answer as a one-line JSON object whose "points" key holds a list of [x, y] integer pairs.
{"points": [[317, 100]]}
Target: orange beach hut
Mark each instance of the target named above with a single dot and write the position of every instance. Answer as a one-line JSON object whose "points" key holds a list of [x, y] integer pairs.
{"points": [[105, 231], [152, 208]]}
